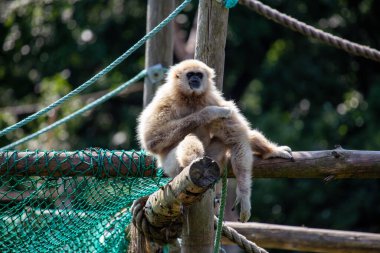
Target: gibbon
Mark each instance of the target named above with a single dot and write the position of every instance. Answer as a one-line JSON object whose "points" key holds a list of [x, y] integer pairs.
{"points": [[188, 118]]}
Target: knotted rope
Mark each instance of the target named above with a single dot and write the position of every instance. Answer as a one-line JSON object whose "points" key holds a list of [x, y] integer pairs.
{"points": [[160, 235], [219, 224]]}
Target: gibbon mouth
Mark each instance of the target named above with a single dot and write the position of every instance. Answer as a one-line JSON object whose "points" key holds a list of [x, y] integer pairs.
{"points": [[194, 84]]}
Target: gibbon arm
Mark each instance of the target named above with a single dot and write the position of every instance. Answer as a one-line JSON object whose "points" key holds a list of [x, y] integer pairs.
{"points": [[166, 136]]}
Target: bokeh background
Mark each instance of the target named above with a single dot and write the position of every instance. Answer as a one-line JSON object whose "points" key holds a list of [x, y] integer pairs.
{"points": [[298, 91]]}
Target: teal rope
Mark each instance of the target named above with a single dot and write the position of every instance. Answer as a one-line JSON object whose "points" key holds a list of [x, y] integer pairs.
{"points": [[166, 248], [95, 103], [98, 75], [221, 213], [230, 3]]}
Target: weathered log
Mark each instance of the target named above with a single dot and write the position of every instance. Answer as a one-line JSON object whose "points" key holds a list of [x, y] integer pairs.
{"points": [[92, 162], [8, 195], [325, 164], [159, 217], [306, 239], [185, 189]]}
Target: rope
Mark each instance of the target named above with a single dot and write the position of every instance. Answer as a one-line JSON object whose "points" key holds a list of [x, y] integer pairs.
{"points": [[230, 3], [242, 241], [61, 208], [103, 72], [160, 235], [229, 232], [218, 235], [295, 25], [93, 104]]}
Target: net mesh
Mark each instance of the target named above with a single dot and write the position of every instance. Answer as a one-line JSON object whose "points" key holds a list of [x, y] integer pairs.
{"points": [[59, 201]]}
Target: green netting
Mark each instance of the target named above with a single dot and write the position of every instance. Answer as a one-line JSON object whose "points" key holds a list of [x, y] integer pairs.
{"points": [[49, 202]]}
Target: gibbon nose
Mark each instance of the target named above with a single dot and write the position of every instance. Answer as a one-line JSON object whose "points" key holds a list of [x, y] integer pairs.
{"points": [[194, 82]]}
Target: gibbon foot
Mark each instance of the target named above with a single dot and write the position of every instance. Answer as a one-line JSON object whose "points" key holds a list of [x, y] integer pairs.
{"points": [[245, 206], [280, 152]]}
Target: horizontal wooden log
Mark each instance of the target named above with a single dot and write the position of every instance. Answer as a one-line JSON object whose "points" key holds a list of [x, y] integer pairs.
{"points": [[7, 196], [91, 162], [325, 164], [306, 239]]}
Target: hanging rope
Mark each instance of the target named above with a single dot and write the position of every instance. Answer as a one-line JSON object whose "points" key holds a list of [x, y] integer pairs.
{"points": [[295, 25], [218, 234], [95, 103], [229, 232], [92, 80]]}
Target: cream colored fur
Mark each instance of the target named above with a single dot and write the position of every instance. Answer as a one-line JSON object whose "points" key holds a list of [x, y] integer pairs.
{"points": [[182, 124]]}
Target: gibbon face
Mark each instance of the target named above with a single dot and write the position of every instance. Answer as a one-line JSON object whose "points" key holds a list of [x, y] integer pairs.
{"points": [[192, 77]]}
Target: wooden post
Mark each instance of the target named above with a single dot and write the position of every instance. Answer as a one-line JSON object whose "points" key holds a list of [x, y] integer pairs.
{"points": [[211, 36], [158, 50], [198, 229]]}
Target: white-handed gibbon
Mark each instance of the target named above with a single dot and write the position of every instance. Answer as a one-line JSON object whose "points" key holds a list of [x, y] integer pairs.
{"points": [[188, 118]]}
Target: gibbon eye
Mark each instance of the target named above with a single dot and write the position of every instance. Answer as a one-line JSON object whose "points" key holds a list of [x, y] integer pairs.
{"points": [[197, 74], [189, 74]]}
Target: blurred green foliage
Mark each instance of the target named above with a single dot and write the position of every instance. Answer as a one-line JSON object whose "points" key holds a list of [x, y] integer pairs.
{"points": [[297, 91]]}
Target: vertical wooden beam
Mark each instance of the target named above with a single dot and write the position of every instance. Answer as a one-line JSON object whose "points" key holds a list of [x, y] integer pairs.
{"points": [[198, 230], [211, 36], [159, 49]]}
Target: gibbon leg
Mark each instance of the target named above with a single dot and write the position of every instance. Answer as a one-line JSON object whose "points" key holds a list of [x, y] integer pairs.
{"points": [[188, 150], [216, 150], [181, 156], [169, 163], [241, 161]]}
